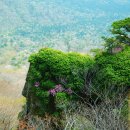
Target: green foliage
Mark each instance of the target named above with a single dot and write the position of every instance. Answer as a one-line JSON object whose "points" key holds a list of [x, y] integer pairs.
{"points": [[46, 85], [113, 70], [62, 100], [121, 34], [49, 68], [121, 27], [53, 65]]}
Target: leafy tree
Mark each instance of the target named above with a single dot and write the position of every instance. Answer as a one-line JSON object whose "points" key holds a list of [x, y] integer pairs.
{"points": [[120, 31]]}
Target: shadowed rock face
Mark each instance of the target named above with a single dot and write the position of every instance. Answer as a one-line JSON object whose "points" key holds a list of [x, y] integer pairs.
{"points": [[27, 86], [34, 105], [32, 102], [26, 90]]}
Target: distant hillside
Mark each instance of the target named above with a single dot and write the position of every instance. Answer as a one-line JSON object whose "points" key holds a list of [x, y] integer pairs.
{"points": [[61, 24]]}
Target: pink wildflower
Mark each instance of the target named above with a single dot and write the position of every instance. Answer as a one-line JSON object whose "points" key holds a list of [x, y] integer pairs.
{"points": [[59, 88], [52, 92], [69, 91], [37, 84]]}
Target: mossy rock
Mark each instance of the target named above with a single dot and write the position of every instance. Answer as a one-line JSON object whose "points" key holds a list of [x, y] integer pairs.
{"points": [[49, 68]]}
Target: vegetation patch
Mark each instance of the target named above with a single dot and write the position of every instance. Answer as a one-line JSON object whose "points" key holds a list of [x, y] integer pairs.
{"points": [[55, 78], [113, 70]]}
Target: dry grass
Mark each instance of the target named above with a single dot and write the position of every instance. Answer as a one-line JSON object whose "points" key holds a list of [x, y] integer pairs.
{"points": [[99, 117], [79, 117], [9, 109], [11, 100]]}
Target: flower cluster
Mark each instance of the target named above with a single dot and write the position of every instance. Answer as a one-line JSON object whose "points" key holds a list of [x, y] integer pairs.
{"points": [[69, 91], [36, 84], [52, 92], [59, 88]]}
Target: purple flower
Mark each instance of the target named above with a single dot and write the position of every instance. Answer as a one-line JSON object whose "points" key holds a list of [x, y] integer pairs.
{"points": [[52, 92], [37, 84], [59, 88], [69, 91]]}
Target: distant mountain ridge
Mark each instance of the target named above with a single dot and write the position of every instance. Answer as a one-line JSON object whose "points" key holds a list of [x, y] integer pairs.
{"points": [[61, 24], [16, 13]]}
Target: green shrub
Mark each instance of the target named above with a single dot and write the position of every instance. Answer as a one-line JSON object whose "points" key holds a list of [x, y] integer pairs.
{"points": [[120, 37], [113, 70], [55, 77]]}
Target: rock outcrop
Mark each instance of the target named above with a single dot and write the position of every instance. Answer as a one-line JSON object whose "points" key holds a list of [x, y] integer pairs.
{"points": [[52, 80]]}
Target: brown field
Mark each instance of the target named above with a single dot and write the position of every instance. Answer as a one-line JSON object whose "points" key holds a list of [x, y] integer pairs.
{"points": [[11, 101]]}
